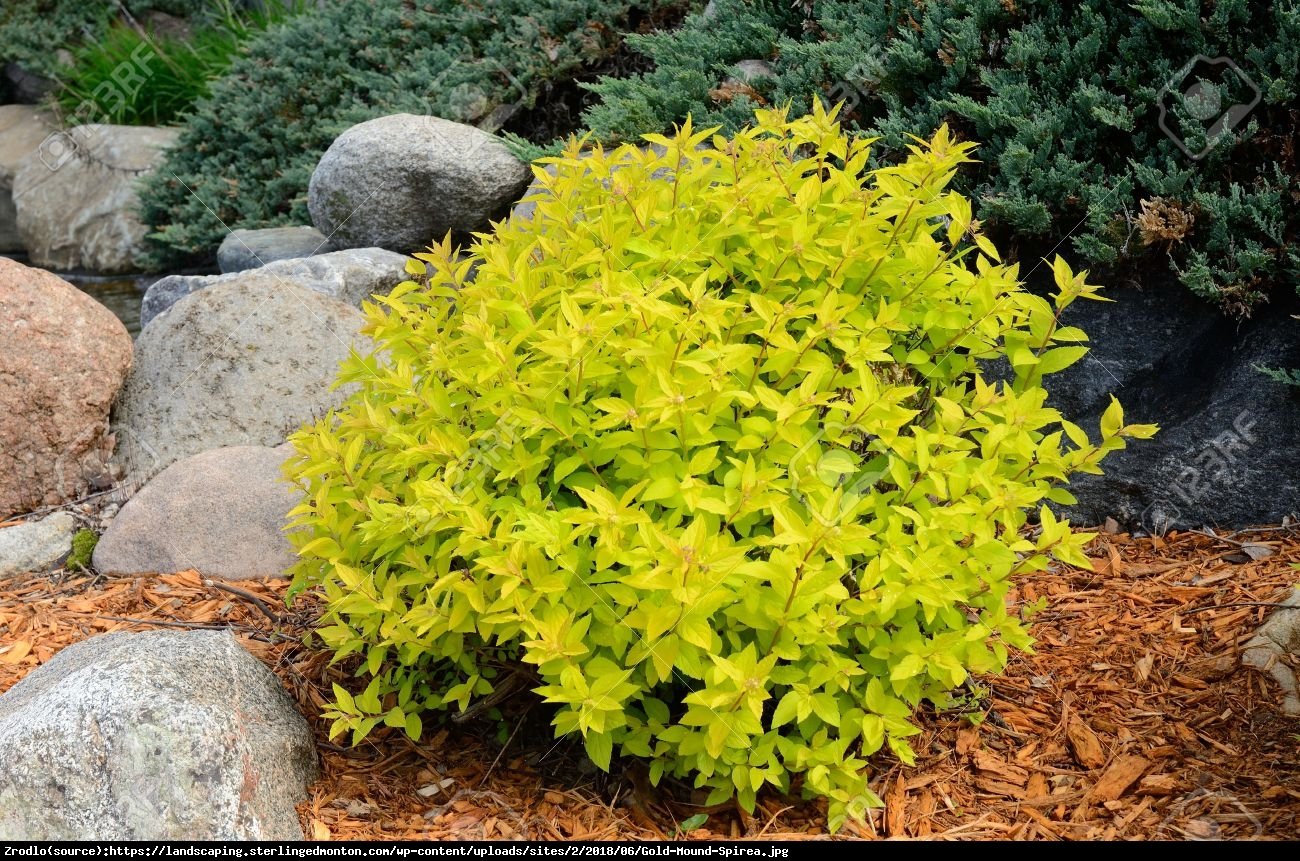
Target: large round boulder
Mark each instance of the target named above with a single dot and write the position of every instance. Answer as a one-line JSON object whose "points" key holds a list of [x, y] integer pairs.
{"points": [[63, 358], [75, 196], [161, 735], [403, 181], [245, 362]]}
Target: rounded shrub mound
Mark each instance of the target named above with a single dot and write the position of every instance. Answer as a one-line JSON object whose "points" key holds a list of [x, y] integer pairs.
{"points": [[704, 456]]}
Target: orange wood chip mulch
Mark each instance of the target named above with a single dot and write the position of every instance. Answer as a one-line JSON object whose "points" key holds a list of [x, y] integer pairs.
{"points": [[1133, 719]]}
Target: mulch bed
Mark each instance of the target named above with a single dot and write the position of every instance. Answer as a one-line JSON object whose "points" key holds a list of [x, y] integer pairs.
{"points": [[1132, 720]]}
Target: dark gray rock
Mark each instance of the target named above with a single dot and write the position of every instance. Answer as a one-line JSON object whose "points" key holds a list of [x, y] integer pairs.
{"points": [[1229, 444], [249, 249], [26, 88], [351, 276], [160, 735], [403, 182]]}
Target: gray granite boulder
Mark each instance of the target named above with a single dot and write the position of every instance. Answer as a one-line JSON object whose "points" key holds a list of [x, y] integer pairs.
{"points": [[75, 197], [221, 513], [161, 735], [22, 129], [249, 249], [351, 276], [240, 363], [403, 181], [37, 545]]}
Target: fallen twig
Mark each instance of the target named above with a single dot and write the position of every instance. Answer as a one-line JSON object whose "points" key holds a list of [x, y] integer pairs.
{"points": [[1274, 605], [242, 593], [197, 626], [504, 747], [508, 686], [194, 625]]}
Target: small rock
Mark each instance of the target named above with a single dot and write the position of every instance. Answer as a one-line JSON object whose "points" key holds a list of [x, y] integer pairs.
{"points": [[527, 205], [75, 196], [159, 23], [27, 88], [34, 547], [1275, 645], [159, 735], [221, 513], [749, 71], [350, 276], [249, 249], [403, 182], [245, 362]]}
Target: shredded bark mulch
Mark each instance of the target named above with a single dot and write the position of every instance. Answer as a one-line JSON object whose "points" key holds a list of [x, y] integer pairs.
{"points": [[1133, 720]]}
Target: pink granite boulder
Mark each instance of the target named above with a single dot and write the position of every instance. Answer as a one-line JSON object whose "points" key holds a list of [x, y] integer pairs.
{"points": [[63, 358]]}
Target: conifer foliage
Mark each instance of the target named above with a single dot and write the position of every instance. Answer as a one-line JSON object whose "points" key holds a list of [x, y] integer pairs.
{"points": [[247, 153], [1065, 99]]}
